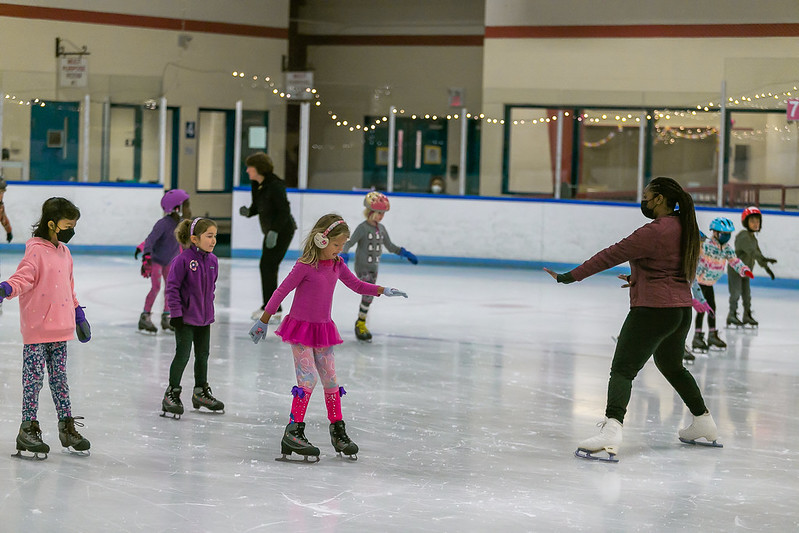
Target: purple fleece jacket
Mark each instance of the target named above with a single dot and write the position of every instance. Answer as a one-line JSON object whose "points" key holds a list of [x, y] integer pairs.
{"points": [[190, 286], [161, 243]]}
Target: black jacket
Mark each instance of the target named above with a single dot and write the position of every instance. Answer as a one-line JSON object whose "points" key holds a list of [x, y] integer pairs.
{"points": [[270, 203]]}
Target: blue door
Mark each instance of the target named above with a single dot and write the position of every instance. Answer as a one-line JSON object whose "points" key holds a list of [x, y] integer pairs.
{"points": [[54, 141]]}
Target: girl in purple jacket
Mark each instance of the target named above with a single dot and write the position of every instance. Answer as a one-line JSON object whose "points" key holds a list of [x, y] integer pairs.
{"points": [[190, 298], [159, 249], [663, 256]]}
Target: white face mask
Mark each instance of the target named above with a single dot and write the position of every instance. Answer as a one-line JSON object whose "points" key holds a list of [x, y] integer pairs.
{"points": [[436, 189]]}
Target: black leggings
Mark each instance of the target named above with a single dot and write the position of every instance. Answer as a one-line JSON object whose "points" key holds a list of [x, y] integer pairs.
{"points": [[270, 263], [648, 331], [710, 296], [185, 335]]}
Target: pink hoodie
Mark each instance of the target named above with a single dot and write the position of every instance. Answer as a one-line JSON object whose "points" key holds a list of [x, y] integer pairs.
{"points": [[47, 302]]}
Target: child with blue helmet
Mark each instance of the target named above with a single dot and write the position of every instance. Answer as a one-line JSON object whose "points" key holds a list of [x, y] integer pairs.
{"points": [[716, 253]]}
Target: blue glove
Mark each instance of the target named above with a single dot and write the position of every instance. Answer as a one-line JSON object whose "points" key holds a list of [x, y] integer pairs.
{"points": [[344, 257], [82, 328], [5, 290], [409, 256], [388, 291], [258, 331]]}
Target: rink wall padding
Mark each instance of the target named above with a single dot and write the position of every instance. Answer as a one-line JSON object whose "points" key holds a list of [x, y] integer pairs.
{"points": [[505, 232]]}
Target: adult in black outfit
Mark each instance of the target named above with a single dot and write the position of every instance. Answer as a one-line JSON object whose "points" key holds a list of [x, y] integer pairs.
{"points": [[270, 203]]}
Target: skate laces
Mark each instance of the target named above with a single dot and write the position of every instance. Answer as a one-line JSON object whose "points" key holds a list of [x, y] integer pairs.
{"points": [[69, 426], [34, 431], [341, 433]]}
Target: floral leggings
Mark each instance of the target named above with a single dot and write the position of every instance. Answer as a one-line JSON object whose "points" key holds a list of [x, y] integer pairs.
{"points": [[35, 357]]}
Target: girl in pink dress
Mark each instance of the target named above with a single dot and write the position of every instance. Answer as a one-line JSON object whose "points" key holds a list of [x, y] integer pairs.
{"points": [[312, 333]]}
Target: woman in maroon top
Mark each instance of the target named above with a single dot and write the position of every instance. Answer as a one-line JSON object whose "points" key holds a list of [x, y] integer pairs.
{"points": [[663, 255]]}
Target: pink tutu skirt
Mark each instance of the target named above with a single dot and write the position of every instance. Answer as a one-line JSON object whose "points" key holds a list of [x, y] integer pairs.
{"points": [[311, 334]]}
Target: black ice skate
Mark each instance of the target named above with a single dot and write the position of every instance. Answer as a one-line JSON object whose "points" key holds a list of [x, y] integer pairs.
{"points": [[71, 440], [688, 356], [29, 439], [361, 331], [202, 397], [294, 441], [146, 325], [733, 322], [714, 341], [749, 320], [171, 403], [165, 325], [341, 442], [698, 344]]}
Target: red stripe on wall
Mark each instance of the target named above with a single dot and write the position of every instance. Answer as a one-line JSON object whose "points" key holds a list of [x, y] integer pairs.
{"points": [[642, 31], [139, 21], [394, 40]]}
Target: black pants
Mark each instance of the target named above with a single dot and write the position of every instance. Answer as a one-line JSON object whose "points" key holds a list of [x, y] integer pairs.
{"points": [[270, 263], [739, 288], [185, 335], [648, 331], [710, 296]]}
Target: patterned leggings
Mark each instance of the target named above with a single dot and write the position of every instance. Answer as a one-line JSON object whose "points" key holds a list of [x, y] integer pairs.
{"points": [[35, 357], [368, 276], [312, 364], [155, 286]]}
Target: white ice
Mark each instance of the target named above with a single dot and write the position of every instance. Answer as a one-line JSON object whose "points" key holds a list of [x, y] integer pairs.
{"points": [[467, 408]]}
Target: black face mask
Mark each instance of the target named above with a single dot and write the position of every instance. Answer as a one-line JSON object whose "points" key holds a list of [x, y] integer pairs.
{"points": [[648, 213], [65, 235]]}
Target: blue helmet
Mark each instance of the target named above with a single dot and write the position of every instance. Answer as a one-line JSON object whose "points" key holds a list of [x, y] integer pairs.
{"points": [[724, 225]]}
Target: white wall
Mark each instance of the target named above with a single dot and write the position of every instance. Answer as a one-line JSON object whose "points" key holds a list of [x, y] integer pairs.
{"points": [[110, 215], [502, 229]]}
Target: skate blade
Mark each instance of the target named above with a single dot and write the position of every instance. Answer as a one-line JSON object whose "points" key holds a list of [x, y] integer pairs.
{"points": [[167, 415], [707, 443], [207, 411], [76, 453], [35, 457], [305, 459], [348, 457], [147, 333], [585, 454]]}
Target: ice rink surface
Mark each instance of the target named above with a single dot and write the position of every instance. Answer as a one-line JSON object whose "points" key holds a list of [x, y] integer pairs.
{"points": [[467, 408]]}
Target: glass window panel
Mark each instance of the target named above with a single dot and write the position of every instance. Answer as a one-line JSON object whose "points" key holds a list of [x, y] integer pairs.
{"points": [[530, 166], [211, 149], [609, 154], [685, 148]]}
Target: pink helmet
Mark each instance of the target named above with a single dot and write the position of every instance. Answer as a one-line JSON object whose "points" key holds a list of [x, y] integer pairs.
{"points": [[173, 199], [377, 201]]}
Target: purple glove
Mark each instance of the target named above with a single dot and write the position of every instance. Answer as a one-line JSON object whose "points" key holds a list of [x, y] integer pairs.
{"points": [[408, 255], [146, 266], [82, 328], [5, 290], [139, 249]]}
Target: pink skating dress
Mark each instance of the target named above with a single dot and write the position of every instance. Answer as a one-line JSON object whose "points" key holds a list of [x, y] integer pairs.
{"points": [[309, 322]]}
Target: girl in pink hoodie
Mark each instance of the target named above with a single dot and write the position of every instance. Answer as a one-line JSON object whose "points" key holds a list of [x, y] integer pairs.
{"points": [[49, 314]]}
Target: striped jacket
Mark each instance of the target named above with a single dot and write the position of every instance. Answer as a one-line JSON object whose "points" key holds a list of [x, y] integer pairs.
{"points": [[714, 257]]}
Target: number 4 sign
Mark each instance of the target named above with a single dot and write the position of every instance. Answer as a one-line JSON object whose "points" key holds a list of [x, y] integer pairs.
{"points": [[793, 108]]}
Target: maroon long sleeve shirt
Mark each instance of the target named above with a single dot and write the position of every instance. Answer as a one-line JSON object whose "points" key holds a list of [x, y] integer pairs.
{"points": [[653, 251]]}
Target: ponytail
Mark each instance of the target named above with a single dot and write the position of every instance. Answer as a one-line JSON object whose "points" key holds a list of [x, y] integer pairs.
{"points": [[676, 196]]}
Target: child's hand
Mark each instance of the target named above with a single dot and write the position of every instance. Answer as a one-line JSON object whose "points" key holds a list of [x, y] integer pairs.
{"points": [[5, 290], [701, 306], [82, 327], [139, 249], [408, 255], [258, 331], [9, 236], [146, 266], [749, 274], [388, 291]]}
